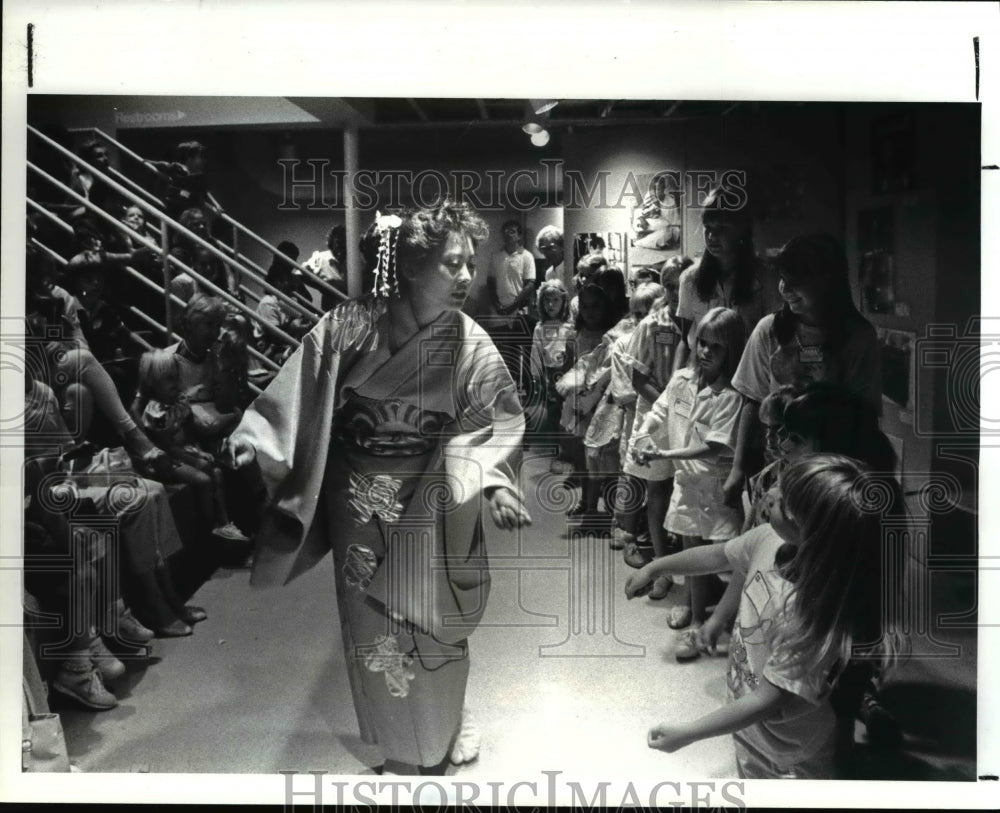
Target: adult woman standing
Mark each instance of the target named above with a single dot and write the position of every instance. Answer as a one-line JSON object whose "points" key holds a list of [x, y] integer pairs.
{"points": [[729, 274], [381, 438]]}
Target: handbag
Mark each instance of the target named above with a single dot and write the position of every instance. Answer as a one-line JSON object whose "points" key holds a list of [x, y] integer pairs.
{"points": [[43, 744], [103, 468]]}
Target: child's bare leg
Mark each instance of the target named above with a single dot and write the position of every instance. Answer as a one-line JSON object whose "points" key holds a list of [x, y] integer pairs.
{"points": [[202, 485], [699, 589], [218, 495], [657, 501]]}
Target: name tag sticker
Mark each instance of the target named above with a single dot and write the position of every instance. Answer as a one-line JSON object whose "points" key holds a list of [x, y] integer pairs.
{"points": [[811, 354], [683, 407], [665, 337]]}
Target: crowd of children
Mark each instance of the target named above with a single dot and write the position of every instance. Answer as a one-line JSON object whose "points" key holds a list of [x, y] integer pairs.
{"points": [[725, 439]]}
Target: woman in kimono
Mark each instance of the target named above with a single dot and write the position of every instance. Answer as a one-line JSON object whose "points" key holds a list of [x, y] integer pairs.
{"points": [[384, 438]]}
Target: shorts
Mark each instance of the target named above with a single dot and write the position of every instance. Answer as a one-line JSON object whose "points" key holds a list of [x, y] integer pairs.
{"points": [[696, 508], [752, 763]]}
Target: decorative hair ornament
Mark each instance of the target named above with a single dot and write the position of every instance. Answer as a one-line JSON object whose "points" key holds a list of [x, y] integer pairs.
{"points": [[386, 280]]}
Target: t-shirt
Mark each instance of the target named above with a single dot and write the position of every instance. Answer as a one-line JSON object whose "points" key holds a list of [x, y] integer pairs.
{"points": [[552, 346], [197, 378], [511, 271], [806, 725], [692, 416], [692, 308], [560, 273], [767, 365], [652, 347]]}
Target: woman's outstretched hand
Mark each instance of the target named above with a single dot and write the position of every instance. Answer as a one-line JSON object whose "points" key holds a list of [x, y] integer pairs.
{"points": [[507, 511], [237, 453]]}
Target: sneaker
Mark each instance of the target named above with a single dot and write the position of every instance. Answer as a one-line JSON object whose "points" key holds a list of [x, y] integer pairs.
{"points": [[231, 532], [687, 645], [660, 589], [883, 729], [131, 631], [85, 686], [638, 555], [104, 660]]}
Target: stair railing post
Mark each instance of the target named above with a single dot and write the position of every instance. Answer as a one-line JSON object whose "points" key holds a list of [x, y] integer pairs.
{"points": [[167, 304]]}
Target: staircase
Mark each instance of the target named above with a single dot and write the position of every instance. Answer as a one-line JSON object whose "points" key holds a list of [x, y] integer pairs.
{"points": [[134, 188]]}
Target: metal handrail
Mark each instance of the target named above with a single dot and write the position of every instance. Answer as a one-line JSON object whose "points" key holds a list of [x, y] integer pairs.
{"points": [[163, 217], [321, 283], [253, 351], [220, 292]]}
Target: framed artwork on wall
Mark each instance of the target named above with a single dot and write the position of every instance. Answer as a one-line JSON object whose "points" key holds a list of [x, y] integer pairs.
{"points": [[877, 266], [655, 220], [613, 245]]}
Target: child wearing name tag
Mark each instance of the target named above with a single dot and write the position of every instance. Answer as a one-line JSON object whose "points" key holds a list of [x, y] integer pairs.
{"points": [[700, 410], [653, 358], [816, 335]]}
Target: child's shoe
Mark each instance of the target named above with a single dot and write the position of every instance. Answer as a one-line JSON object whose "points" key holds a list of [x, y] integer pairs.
{"points": [[83, 683], [687, 645], [679, 617], [638, 555], [104, 660], [660, 589], [620, 538], [561, 467], [230, 532]]}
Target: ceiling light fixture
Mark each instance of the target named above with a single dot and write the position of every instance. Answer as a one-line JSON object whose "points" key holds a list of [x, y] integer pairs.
{"points": [[540, 139], [541, 106]]}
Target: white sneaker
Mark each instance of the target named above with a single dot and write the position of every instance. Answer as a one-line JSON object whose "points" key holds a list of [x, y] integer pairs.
{"points": [[231, 532], [466, 746]]}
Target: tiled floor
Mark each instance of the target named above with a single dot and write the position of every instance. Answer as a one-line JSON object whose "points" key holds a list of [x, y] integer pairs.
{"points": [[260, 687]]}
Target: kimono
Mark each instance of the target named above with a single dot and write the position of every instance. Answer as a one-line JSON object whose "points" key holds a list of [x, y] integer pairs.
{"points": [[385, 458]]}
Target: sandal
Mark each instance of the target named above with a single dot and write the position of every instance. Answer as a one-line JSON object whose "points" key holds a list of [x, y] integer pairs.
{"points": [[679, 618]]}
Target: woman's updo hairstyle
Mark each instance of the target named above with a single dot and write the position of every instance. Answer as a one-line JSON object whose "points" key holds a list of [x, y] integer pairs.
{"points": [[423, 232]]}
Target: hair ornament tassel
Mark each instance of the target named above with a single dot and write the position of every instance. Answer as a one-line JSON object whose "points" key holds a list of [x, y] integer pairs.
{"points": [[386, 280]]}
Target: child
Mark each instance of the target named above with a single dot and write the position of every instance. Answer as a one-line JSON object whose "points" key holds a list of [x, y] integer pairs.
{"points": [[652, 354], [167, 417], [700, 409], [817, 335], [552, 354], [603, 439], [588, 265], [813, 579], [583, 385], [611, 426]]}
